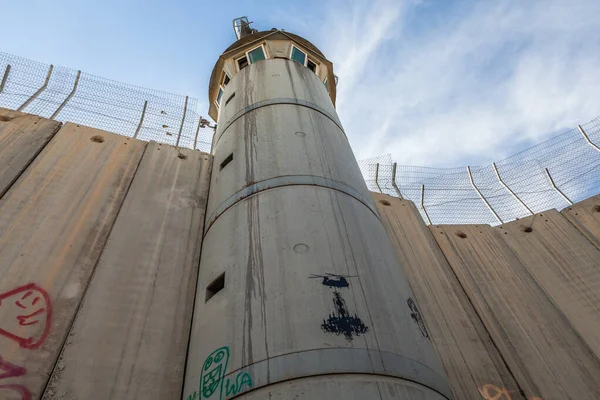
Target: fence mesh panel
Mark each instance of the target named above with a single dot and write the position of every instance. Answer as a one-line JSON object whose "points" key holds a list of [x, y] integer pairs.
{"points": [[102, 103], [442, 195], [447, 195]]}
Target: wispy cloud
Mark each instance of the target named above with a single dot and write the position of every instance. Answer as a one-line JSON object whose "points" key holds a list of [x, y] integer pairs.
{"points": [[468, 84]]}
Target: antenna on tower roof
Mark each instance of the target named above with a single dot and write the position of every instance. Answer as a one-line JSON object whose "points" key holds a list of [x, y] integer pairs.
{"points": [[241, 27]]}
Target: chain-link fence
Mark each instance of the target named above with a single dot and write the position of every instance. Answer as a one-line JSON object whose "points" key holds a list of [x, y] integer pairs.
{"points": [[67, 95], [552, 174]]}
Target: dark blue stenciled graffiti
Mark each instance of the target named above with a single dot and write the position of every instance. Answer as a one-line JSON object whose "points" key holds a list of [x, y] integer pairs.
{"points": [[340, 321], [334, 281], [212, 378]]}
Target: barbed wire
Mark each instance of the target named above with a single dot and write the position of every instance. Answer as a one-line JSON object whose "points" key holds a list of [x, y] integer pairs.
{"points": [[552, 174], [68, 95]]}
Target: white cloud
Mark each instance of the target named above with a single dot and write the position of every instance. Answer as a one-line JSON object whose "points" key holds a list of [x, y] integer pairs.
{"points": [[471, 86]]}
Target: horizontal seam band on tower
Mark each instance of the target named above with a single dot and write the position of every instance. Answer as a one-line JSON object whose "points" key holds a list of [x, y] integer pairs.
{"points": [[389, 365], [283, 181], [272, 102]]}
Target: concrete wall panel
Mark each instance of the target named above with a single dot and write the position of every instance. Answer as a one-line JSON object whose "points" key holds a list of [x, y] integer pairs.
{"points": [[22, 137], [325, 297], [470, 359], [585, 216], [565, 264], [129, 340], [546, 356], [54, 222]]}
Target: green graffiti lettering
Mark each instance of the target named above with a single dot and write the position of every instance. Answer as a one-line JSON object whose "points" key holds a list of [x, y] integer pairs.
{"points": [[245, 380], [213, 373]]}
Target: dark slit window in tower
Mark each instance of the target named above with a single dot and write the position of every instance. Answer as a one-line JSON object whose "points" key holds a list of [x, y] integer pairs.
{"points": [[242, 63], [312, 66], [226, 161], [215, 287], [230, 98]]}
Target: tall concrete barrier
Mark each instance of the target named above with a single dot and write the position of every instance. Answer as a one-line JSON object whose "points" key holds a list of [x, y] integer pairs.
{"points": [[472, 362], [22, 137], [54, 222], [585, 216], [565, 264], [547, 357], [130, 337]]}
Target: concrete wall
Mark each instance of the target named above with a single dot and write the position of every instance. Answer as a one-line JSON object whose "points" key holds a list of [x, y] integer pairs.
{"points": [[512, 310], [99, 245]]}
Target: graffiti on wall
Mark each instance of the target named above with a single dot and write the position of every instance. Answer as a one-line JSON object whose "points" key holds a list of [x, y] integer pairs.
{"points": [[27, 313], [212, 378], [493, 392], [340, 321]]}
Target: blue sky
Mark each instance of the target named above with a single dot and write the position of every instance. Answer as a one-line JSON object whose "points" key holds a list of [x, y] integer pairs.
{"points": [[436, 83]]}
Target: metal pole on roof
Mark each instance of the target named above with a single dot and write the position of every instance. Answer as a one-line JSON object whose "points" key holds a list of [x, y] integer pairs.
{"points": [[586, 137], [489, 206], [182, 121], [4, 78], [564, 196], [394, 182], [58, 110], [514, 195], [377, 177], [137, 131], [40, 90], [423, 205]]}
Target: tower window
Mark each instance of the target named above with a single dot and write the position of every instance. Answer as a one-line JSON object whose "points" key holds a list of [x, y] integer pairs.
{"points": [[226, 79], [298, 55], [215, 287], [251, 56], [257, 54], [219, 96], [302, 58], [242, 63], [326, 84]]}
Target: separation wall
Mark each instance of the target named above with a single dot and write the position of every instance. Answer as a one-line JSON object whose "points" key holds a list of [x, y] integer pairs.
{"points": [[512, 310]]}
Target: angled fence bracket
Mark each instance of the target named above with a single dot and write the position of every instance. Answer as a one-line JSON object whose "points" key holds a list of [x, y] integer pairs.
{"points": [[394, 182], [4, 78], [58, 110], [423, 205], [564, 196], [40, 90], [137, 131], [489, 206], [585, 136], [514, 195], [182, 121], [377, 177]]}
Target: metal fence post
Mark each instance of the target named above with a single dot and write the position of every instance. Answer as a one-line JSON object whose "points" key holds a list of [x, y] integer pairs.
{"points": [[377, 177], [68, 97], [40, 90], [564, 196], [510, 190], [394, 182], [586, 137], [489, 206], [137, 131], [182, 121], [197, 130], [4, 78], [423, 205]]}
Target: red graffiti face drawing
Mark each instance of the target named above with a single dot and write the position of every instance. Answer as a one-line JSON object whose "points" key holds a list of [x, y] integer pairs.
{"points": [[26, 313]]}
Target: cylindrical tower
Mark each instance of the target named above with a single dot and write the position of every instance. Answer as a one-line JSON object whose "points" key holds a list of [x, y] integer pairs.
{"points": [[300, 294]]}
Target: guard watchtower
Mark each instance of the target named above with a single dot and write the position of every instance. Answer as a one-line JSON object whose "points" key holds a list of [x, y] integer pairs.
{"points": [[300, 293]]}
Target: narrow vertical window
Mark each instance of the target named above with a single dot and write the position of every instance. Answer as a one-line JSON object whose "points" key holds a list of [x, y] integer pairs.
{"points": [[242, 63], [219, 96], [311, 65], [215, 287]]}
